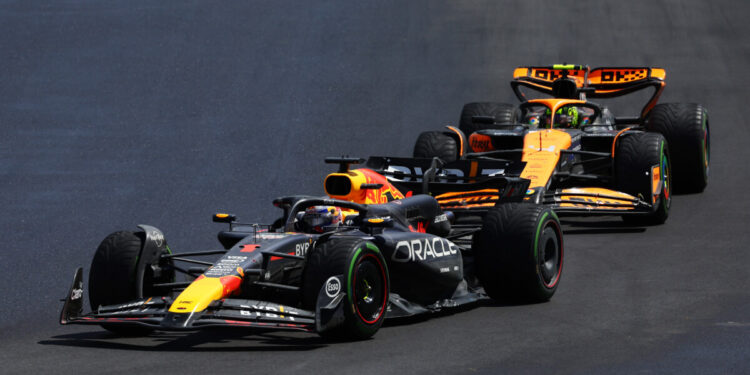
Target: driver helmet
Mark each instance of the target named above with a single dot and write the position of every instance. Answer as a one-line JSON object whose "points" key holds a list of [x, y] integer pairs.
{"points": [[566, 117], [319, 219]]}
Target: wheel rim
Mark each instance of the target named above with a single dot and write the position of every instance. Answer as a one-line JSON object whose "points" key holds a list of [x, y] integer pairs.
{"points": [[369, 289], [550, 255]]}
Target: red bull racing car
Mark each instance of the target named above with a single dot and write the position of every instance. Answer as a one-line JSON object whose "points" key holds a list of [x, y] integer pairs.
{"points": [[375, 248], [580, 158]]}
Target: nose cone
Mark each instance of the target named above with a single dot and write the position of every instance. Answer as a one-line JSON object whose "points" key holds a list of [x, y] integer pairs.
{"points": [[203, 291]]}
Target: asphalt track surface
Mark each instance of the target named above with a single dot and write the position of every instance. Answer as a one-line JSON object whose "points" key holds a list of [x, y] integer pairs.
{"points": [[119, 113]]}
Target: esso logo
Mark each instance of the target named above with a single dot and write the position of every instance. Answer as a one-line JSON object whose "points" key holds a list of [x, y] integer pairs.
{"points": [[158, 238], [333, 286]]}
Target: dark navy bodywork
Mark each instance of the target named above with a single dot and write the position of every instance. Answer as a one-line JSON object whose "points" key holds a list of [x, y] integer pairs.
{"points": [[426, 258]]}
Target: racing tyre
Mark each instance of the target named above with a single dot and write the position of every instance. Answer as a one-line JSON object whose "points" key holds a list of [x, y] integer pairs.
{"points": [[685, 126], [519, 253], [112, 278], [636, 155], [365, 281], [435, 143], [502, 112]]}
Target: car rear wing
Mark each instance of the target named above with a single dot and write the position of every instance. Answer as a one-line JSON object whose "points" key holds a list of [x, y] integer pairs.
{"points": [[579, 82], [458, 184]]}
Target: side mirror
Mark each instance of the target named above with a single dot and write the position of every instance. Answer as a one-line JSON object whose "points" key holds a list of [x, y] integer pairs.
{"points": [[378, 222], [224, 218]]}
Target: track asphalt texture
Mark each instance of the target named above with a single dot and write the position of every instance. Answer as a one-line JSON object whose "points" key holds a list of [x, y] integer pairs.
{"points": [[119, 113]]}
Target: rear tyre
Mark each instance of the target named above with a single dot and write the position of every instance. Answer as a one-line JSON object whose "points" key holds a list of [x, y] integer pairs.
{"points": [[519, 253], [112, 278], [435, 143], [365, 282], [636, 155], [685, 126], [503, 113]]}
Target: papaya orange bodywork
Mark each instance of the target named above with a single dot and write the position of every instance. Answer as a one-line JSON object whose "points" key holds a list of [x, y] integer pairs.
{"points": [[460, 137], [541, 152], [607, 82], [520, 72], [468, 199], [656, 182], [614, 141], [593, 198], [549, 75]]}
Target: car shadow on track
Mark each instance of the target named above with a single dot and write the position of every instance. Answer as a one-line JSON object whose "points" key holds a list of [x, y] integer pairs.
{"points": [[598, 225], [232, 340], [416, 319], [211, 340], [485, 302]]}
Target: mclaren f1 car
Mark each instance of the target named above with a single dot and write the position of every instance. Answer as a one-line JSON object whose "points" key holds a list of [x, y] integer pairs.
{"points": [[581, 158], [336, 265]]}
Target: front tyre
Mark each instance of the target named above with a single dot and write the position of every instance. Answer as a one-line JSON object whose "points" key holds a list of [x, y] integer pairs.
{"points": [[635, 158], [686, 128], [519, 253], [112, 278], [365, 281]]}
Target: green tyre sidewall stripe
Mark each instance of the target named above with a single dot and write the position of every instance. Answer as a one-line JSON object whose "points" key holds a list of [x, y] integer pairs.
{"points": [[350, 274], [349, 277], [539, 231]]}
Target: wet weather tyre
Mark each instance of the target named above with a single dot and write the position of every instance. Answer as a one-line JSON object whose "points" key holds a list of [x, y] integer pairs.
{"points": [[365, 281], [503, 113], [519, 253], [112, 278], [635, 156], [435, 143], [686, 128]]}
